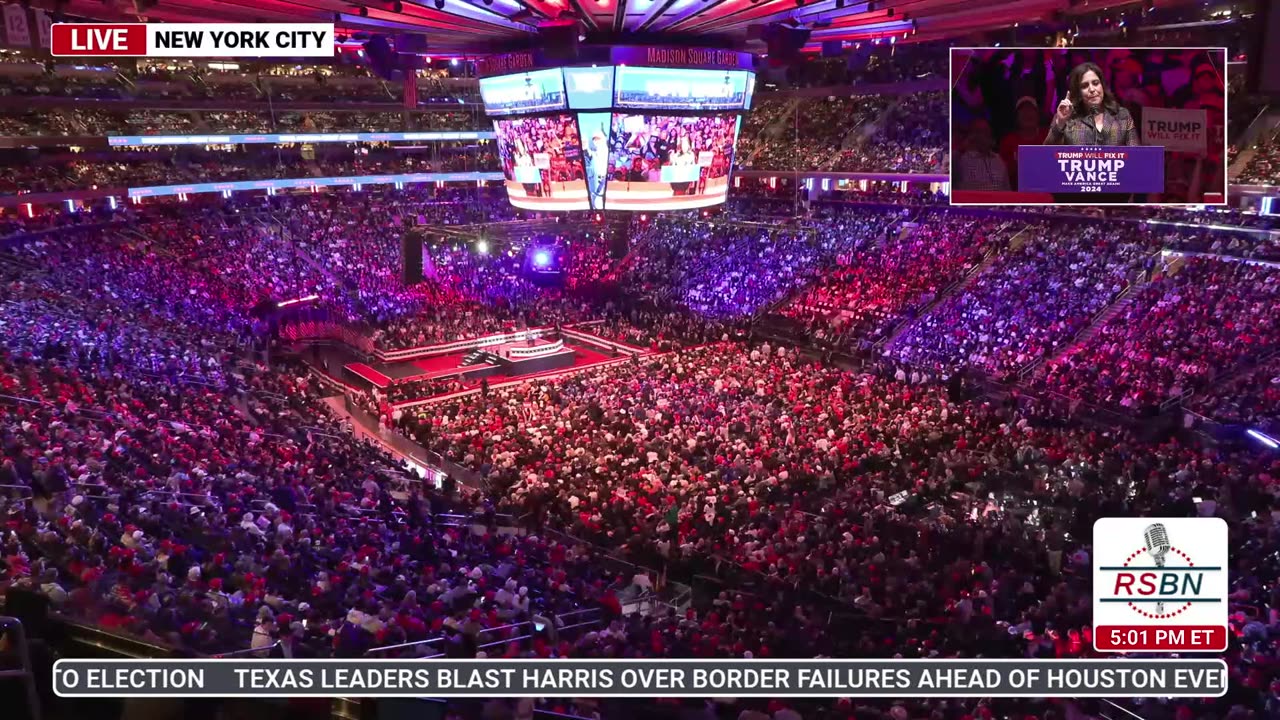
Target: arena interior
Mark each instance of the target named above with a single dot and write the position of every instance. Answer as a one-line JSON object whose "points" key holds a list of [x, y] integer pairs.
{"points": [[814, 411]]}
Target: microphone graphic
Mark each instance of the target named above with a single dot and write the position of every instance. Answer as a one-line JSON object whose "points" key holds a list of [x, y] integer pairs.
{"points": [[1157, 539]]}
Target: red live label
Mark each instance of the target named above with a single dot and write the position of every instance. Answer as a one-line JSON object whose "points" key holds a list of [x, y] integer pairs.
{"points": [[99, 39], [1135, 638]]}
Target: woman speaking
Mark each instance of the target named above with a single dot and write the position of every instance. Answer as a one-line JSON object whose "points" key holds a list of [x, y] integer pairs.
{"points": [[1090, 115]]}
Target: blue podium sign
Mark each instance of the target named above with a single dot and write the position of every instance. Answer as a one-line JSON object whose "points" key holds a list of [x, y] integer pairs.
{"points": [[1080, 169]]}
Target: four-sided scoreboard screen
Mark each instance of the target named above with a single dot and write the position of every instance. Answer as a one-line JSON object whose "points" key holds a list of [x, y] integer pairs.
{"points": [[620, 136]]}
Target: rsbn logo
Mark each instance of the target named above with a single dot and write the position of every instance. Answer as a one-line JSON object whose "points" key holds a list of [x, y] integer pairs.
{"points": [[1165, 573], [1160, 575]]}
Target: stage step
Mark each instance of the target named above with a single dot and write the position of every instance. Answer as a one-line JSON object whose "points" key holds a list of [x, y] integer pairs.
{"points": [[477, 357]]}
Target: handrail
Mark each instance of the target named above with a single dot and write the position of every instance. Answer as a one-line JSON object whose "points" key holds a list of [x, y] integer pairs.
{"points": [[1035, 364], [431, 641], [538, 712], [415, 643], [504, 642], [249, 651], [561, 616]]}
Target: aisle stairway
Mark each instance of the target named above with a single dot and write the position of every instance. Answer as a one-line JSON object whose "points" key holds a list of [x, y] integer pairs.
{"points": [[1099, 320], [956, 288]]}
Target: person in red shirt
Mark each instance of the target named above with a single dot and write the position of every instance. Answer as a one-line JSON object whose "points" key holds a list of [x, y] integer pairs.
{"points": [[1028, 130]]}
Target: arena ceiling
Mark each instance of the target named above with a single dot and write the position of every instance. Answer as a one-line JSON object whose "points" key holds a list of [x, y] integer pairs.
{"points": [[476, 26]]}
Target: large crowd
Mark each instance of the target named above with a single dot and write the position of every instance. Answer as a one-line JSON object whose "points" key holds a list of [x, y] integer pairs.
{"points": [[340, 118], [1038, 294], [184, 491], [866, 295], [847, 134], [855, 490], [1180, 332], [806, 133], [143, 169], [1263, 166], [737, 269], [27, 78]]}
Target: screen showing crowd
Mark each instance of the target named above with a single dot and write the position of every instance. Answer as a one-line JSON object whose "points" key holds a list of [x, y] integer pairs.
{"points": [[541, 161], [531, 92], [660, 161], [682, 89], [1004, 101]]}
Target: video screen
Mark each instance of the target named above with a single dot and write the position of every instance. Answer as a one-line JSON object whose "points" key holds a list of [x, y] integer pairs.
{"points": [[589, 88], [531, 92], [541, 162], [1088, 126], [660, 162], [676, 89], [593, 130]]}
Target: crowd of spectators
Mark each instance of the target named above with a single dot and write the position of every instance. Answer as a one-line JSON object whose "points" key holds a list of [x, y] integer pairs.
{"points": [[882, 63], [95, 122], [1035, 296], [1178, 333], [142, 169], [911, 138], [727, 270], [866, 294], [806, 133], [187, 494], [271, 84], [785, 468], [847, 134], [1250, 398], [1263, 168]]}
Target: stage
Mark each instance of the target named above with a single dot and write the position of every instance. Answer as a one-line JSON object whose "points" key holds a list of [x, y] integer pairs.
{"points": [[423, 377]]}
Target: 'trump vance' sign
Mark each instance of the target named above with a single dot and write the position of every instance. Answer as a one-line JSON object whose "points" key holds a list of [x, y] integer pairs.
{"points": [[1160, 584], [1079, 169]]}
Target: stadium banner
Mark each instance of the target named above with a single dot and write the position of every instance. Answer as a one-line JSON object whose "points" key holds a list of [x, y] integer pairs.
{"points": [[201, 40], [273, 139], [508, 63], [17, 31], [681, 57], [294, 183], [1180, 130], [1072, 169], [1136, 677], [44, 26]]}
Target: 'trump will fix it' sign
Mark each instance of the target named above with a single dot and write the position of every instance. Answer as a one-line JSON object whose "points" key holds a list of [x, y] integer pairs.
{"points": [[1072, 169]]}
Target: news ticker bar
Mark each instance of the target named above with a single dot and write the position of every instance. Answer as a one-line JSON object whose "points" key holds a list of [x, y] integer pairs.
{"points": [[293, 183], [204, 40], [259, 139], [641, 678]]}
